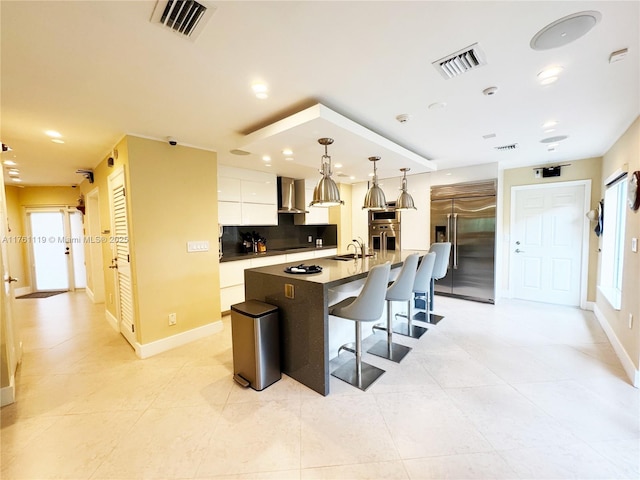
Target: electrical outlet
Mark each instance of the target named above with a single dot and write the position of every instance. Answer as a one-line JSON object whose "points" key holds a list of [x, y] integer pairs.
{"points": [[172, 319], [634, 245], [630, 320], [309, 239]]}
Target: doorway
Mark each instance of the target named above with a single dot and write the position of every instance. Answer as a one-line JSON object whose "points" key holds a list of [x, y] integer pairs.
{"points": [[56, 249], [549, 242]]}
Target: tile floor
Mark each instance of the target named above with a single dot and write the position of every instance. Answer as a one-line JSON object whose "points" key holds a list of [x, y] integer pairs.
{"points": [[519, 390]]}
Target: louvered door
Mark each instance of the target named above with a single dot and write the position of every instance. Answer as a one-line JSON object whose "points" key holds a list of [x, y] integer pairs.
{"points": [[119, 238]]}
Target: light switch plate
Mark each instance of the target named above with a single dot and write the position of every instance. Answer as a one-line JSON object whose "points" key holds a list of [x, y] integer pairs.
{"points": [[198, 246], [634, 245]]}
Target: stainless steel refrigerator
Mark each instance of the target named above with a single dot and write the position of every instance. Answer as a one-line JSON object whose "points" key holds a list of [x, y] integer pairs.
{"points": [[465, 215]]}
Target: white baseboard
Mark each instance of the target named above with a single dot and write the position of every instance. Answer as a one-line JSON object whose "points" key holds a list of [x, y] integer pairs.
{"points": [[590, 306], [627, 364], [8, 393], [111, 320], [89, 293], [22, 291], [149, 349]]}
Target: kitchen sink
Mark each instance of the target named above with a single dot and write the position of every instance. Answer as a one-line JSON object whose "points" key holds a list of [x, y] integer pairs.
{"points": [[348, 256]]}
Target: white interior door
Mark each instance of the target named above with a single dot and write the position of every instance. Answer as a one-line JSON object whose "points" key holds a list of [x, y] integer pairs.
{"points": [[10, 351], [49, 250], [548, 241], [121, 261], [94, 261]]}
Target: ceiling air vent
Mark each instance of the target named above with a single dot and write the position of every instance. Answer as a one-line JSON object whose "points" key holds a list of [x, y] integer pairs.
{"points": [[185, 17], [504, 148], [460, 62]]}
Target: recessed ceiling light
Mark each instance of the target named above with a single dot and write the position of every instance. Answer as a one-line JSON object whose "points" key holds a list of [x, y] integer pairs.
{"points": [[288, 159], [448, 174], [549, 124], [266, 158], [548, 80], [352, 177], [550, 72], [53, 133], [9, 162], [287, 151], [260, 90], [57, 140], [556, 139], [337, 165], [550, 130], [267, 165], [565, 30], [371, 174], [437, 105], [14, 172], [16, 179]]}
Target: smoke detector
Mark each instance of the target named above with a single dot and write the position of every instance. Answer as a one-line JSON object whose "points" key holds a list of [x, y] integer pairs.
{"points": [[489, 91], [403, 118]]}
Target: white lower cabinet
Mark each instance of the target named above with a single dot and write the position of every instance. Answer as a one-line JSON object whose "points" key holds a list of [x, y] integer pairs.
{"points": [[232, 278]]}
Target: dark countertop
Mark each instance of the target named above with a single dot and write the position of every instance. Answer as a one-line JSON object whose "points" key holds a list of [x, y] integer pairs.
{"points": [[270, 253], [337, 272]]}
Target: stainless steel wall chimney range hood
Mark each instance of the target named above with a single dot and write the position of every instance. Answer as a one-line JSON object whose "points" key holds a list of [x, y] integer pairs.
{"points": [[287, 196]]}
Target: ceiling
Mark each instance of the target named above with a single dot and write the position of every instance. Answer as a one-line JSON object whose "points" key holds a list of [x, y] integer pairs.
{"points": [[97, 70]]}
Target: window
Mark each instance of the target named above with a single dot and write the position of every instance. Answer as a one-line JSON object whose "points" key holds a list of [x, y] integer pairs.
{"points": [[613, 229]]}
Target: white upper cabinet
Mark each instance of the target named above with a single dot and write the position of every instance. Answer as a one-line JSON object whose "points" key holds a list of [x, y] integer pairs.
{"points": [[246, 197], [304, 195], [228, 189]]}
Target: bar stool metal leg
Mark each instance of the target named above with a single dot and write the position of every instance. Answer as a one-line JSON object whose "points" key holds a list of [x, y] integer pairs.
{"points": [[387, 349], [356, 372]]}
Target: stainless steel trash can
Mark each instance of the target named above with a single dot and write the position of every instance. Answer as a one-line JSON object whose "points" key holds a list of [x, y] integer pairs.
{"points": [[256, 344]]}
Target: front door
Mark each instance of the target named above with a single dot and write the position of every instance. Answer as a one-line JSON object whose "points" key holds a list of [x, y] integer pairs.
{"points": [[548, 226], [49, 250]]}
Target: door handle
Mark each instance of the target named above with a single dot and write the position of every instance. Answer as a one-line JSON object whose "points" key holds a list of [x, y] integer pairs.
{"points": [[66, 251], [10, 279], [455, 241], [519, 251], [113, 266], [448, 227]]}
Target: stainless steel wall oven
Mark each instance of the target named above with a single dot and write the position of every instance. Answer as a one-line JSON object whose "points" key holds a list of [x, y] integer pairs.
{"points": [[384, 229]]}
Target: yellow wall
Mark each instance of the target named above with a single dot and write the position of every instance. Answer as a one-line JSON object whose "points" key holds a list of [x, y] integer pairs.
{"points": [[100, 175], [17, 251], [589, 169], [173, 199], [626, 151]]}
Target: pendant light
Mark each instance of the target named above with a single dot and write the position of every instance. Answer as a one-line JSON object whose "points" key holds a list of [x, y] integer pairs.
{"points": [[326, 193], [405, 201], [375, 199]]}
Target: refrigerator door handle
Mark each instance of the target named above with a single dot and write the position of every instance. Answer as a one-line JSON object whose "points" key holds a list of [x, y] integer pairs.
{"points": [[455, 241], [448, 227]]}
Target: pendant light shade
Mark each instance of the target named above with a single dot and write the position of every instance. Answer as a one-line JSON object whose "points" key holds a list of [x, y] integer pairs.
{"points": [[326, 193], [405, 201], [374, 199]]}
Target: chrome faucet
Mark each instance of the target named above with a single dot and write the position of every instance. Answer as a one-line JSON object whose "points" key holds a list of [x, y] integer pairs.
{"points": [[354, 248], [359, 245]]}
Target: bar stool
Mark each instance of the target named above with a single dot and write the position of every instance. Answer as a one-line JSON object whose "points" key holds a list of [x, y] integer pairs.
{"points": [[420, 288], [442, 251], [399, 291], [366, 307]]}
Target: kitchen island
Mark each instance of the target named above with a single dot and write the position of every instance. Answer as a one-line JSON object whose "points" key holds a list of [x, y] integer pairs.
{"points": [[303, 303]]}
